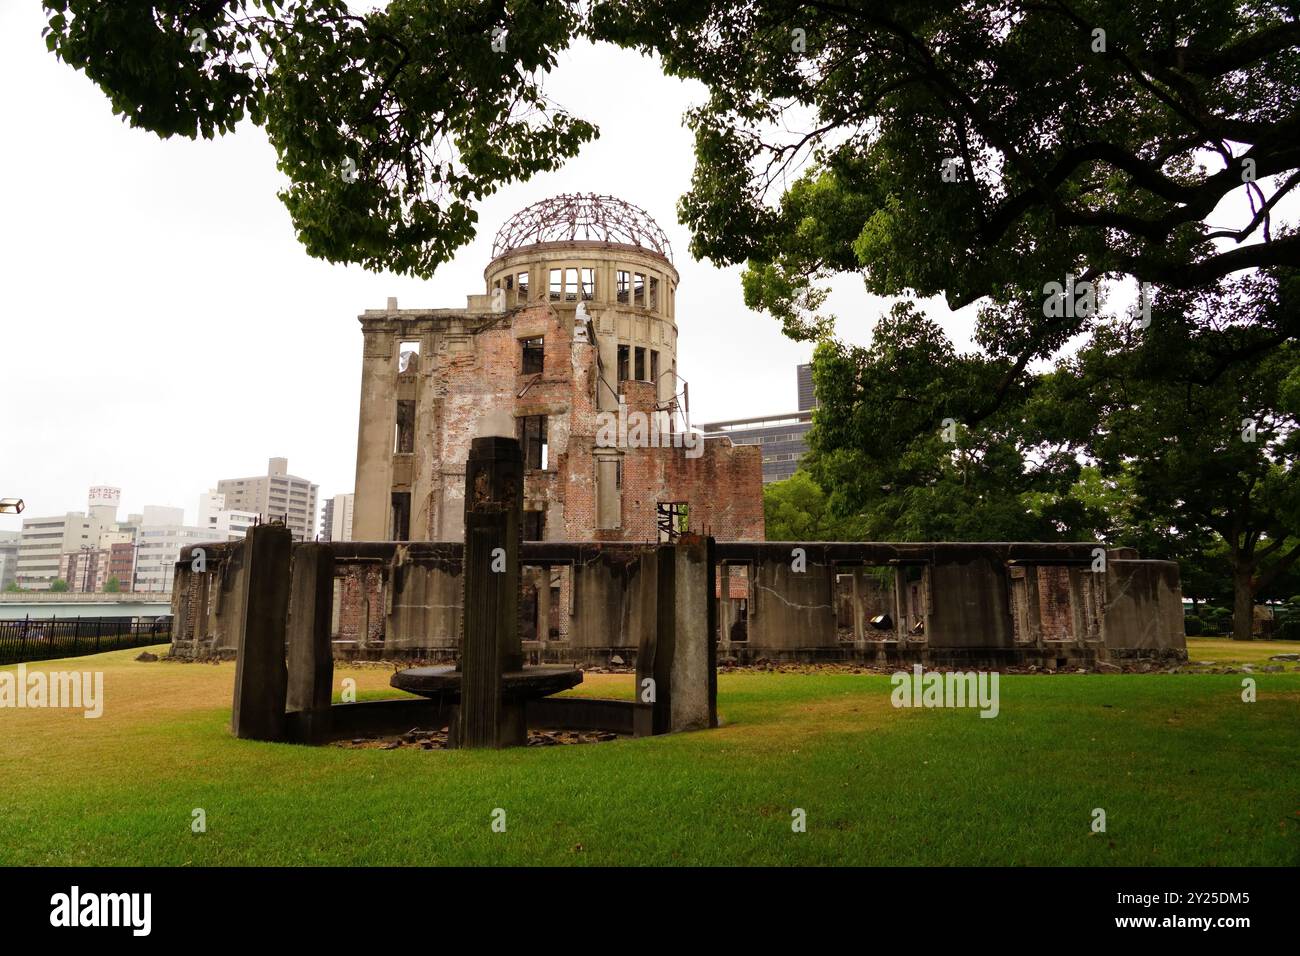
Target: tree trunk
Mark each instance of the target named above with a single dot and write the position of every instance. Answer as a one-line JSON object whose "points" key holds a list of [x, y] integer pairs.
{"points": [[1243, 605]]}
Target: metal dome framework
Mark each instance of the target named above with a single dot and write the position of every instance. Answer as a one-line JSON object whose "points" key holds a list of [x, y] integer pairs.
{"points": [[582, 217]]}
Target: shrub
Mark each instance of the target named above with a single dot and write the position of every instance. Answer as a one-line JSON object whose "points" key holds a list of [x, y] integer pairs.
{"points": [[1193, 625], [1289, 631], [1218, 620]]}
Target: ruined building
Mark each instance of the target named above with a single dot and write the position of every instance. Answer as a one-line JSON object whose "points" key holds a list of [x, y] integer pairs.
{"points": [[572, 348], [573, 343], [576, 331]]}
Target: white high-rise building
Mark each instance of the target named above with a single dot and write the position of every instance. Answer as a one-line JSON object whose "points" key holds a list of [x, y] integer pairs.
{"points": [[158, 542], [225, 524], [336, 518], [276, 496], [46, 540]]}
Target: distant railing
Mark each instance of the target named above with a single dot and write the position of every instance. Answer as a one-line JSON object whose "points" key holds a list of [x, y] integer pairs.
{"points": [[42, 639]]}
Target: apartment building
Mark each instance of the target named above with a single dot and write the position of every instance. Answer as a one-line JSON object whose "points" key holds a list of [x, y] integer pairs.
{"points": [[224, 523], [46, 540], [336, 518], [275, 496], [161, 536]]}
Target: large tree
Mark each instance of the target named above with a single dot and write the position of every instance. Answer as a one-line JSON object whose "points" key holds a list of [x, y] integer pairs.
{"points": [[1211, 446], [1092, 136], [980, 150], [795, 509], [891, 444]]}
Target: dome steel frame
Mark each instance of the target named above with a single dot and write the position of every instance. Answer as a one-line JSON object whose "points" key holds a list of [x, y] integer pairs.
{"points": [[581, 217]]}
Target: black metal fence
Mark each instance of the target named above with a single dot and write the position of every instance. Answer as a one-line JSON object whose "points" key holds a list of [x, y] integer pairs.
{"points": [[42, 639]]}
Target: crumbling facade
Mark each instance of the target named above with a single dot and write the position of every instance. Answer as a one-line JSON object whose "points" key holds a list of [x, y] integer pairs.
{"points": [[574, 343], [576, 340]]}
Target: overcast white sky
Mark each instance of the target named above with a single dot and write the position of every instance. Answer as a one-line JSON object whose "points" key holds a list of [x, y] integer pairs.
{"points": [[164, 329]]}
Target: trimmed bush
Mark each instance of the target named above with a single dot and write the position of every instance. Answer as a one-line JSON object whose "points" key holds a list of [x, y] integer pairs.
{"points": [[1193, 625], [1289, 631]]}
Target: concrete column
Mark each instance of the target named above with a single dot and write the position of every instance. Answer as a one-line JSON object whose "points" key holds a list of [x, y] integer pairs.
{"points": [[1078, 612], [311, 658], [859, 615], [375, 430], [261, 678], [682, 656], [199, 626], [491, 646], [425, 459], [544, 605], [725, 609], [901, 623], [182, 581]]}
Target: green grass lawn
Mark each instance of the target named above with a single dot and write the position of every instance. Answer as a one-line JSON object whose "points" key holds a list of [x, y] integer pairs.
{"points": [[1224, 650], [1186, 772]]}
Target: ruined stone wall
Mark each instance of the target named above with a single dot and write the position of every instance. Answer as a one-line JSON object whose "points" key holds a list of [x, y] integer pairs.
{"points": [[1056, 618], [360, 597], [405, 601], [722, 488]]}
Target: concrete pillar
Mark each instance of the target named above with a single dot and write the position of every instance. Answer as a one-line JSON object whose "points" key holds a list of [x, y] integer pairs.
{"points": [[493, 524], [311, 658], [182, 582], [859, 613], [544, 604], [682, 657], [199, 626], [901, 623], [426, 459], [1078, 599], [726, 609], [374, 482], [261, 678]]}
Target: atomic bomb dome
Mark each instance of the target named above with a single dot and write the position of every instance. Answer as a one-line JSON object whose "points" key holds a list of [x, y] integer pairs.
{"points": [[582, 218], [572, 338]]}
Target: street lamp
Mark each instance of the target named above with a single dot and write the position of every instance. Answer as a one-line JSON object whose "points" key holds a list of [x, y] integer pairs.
{"points": [[11, 506]]}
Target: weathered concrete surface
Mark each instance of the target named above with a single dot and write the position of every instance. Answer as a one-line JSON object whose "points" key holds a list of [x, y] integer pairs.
{"points": [[615, 597], [792, 609], [1042, 602], [540, 351], [261, 677], [681, 659], [311, 658], [1144, 607], [427, 613], [970, 605]]}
